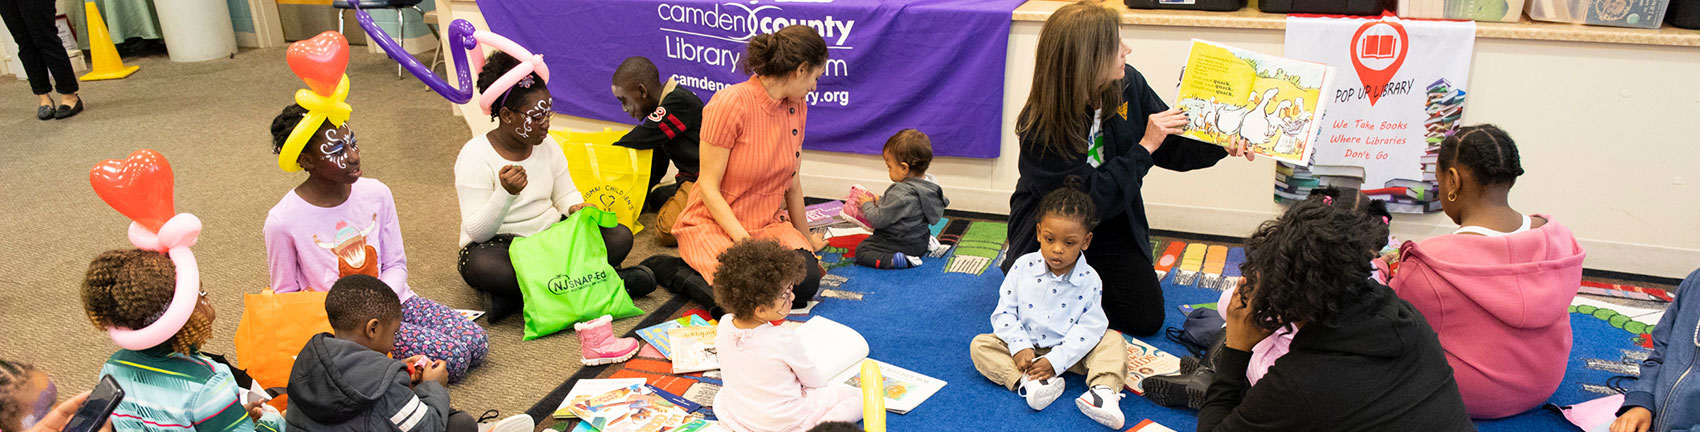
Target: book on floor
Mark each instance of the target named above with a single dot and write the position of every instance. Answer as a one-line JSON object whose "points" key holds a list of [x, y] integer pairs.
{"points": [[853, 213], [631, 409], [656, 335], [823, 214], [700, 425], [588, 388], [1144, 360], [693, 349], [1272, 103], [838, 351], [1149, 426]]}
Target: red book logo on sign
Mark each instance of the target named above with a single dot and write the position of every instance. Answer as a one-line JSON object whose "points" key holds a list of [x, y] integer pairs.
{"points": [[1378, 49]]}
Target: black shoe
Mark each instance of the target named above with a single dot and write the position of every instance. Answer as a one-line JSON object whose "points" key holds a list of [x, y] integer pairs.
{"points": [[500, 308], [640, 280], [666, 270], [66, 111], [659, 196], [1174, 391], [44, 112]]}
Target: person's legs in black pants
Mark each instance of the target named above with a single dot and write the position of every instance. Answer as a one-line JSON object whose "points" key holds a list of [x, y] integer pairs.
{"points": [[486, 268], [460, 421], [1133, 297], [639, 281], [619, 242], [39, 47], [810, 285], [14, 14]]}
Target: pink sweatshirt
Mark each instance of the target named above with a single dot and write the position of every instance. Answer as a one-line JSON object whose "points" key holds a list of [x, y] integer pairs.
{"points": [[1500, 305]]}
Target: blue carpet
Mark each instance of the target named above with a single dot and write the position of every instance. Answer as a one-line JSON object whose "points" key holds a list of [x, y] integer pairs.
{"points": [[922, 319]]}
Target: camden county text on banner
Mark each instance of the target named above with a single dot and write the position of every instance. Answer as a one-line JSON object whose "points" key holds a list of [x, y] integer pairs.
{"points": [[933, 65]]}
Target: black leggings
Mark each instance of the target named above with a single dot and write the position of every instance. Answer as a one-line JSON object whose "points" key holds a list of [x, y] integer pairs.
{"points": [[31, 23], [1133, 297], [487, 268], [688, 282]]}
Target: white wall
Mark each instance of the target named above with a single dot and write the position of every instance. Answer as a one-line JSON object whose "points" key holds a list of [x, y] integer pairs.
{"points": [[1604, 133]]}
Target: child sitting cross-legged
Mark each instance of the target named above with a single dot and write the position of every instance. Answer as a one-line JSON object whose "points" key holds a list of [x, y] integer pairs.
{"points": [[347, 382], [770, 383], [902, 217], [1049, 319]]}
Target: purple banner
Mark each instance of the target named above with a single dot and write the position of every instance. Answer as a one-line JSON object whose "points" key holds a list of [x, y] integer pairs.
{"points": [[933, 65]]}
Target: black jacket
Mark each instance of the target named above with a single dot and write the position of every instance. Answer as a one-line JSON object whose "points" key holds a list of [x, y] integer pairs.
{"points": [[338, 385], [1380, 369], [672, 131], [1114, 185]]}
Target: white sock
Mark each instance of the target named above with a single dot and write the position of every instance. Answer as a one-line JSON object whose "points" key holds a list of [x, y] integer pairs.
{"points": [[914, 261]]}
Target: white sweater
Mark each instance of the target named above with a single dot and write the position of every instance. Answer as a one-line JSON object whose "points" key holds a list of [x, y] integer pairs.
{"points": [[486, 209]]}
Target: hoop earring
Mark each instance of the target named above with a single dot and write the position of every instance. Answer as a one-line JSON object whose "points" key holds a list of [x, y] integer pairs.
{"points": [[1451, 196]]}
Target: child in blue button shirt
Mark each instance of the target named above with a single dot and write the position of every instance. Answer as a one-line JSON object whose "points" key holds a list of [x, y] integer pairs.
{"points": [[1049, 319]]}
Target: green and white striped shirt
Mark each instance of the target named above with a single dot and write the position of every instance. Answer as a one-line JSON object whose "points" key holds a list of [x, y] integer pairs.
{"points": [[170, 391]]}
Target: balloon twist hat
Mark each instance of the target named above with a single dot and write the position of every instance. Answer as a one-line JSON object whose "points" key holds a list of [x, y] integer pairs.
{"points": [[320, 62], [463, 38], [140, 188]]}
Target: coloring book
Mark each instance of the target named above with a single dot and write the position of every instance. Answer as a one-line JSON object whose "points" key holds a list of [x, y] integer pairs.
{"points": [[1272, 103]]}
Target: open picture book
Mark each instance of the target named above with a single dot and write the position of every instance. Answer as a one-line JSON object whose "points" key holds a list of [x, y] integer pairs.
{"points": [[631, 409], [1272, 103], [838, 351]]}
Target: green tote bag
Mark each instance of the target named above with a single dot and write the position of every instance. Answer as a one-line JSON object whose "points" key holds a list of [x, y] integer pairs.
{"points": [[565, 277]]}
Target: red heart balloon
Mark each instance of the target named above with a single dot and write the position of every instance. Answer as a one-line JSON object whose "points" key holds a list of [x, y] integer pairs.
{"points": [[320, 61], [139, 187]]}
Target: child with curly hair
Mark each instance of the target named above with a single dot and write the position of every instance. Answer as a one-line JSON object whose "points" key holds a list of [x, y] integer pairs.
{"points": [[1362, 359], [1050, 318], [771, 384], [172, 385]]}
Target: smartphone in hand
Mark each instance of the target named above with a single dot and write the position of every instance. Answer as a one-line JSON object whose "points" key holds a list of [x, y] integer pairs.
{"points": [[98, 407]]}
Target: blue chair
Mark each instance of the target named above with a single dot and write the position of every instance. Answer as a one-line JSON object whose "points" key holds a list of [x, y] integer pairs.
{"points": [[398, 5]]}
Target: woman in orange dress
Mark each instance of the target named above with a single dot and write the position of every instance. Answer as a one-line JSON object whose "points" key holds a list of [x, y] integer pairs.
{"points": [[752, 143]]}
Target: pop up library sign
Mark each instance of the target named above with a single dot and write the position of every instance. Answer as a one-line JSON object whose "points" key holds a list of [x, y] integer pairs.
{"points": [[1399, 91]]}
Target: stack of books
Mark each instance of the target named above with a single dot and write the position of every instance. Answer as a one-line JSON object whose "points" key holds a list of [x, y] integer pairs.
{"points": [[1294, 183]]}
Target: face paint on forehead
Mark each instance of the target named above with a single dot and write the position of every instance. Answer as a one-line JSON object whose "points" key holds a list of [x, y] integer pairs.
{"points": [[337, 145], [533, 118], [43, 405]]}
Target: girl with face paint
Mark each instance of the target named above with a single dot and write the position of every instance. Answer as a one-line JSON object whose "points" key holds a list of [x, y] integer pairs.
{"points": [[513, 182], [337, 223]]}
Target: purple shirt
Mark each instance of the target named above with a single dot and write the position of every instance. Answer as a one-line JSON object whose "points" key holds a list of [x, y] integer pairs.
{"points": [[310, 247]]}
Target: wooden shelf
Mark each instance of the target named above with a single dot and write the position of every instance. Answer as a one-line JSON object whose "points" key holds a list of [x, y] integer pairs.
{"points": [[1250, 18]]}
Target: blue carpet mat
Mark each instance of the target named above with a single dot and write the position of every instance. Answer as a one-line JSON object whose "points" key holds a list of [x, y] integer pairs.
{"points": [[923, 318]]}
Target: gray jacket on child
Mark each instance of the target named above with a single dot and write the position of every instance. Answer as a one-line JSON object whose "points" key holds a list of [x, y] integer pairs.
{"points": [[339, 385], [902, 217]]}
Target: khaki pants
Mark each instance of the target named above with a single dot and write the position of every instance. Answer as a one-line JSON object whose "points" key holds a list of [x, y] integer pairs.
{"points": [[1105, 365], [669, 213]]}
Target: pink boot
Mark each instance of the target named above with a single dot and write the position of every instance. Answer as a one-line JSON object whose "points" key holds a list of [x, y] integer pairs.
{"points": [[597, 342]]}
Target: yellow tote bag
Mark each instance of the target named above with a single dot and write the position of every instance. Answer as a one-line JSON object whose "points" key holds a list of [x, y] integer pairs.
{"points": [[613, 178], [273, 329]]}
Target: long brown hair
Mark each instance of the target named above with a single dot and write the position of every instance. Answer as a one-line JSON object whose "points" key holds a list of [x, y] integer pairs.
{"points": [[1075, 46]]}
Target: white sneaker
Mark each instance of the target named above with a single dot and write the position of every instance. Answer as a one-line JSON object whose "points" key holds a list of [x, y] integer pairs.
{"points": [[1041, 393], [1102, 404], [518, 423]]}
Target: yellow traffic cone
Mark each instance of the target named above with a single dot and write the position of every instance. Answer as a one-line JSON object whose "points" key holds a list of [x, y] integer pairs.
{"points": [[107, 64]]}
